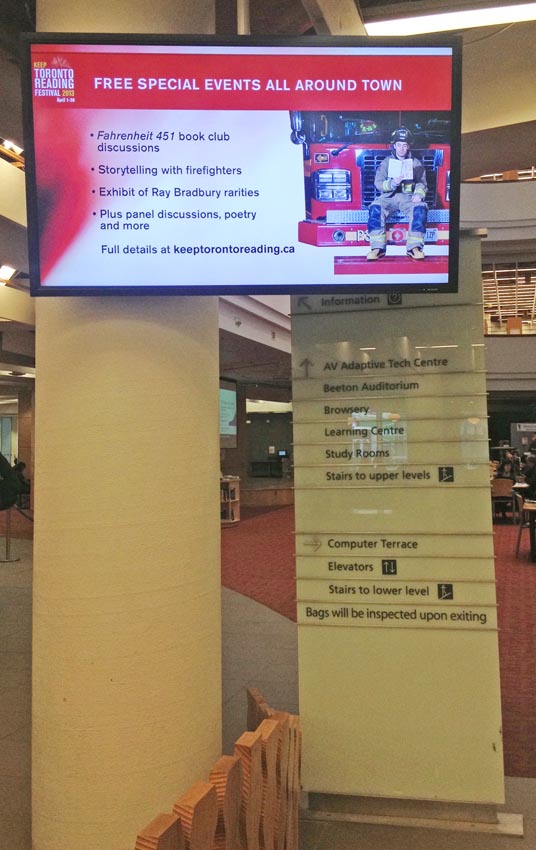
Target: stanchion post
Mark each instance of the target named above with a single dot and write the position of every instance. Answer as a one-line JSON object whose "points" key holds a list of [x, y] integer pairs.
{"points": [[8, 559]]}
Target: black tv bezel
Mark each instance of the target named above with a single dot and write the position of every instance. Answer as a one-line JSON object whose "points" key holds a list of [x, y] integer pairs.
{"points": [[337, 287]]}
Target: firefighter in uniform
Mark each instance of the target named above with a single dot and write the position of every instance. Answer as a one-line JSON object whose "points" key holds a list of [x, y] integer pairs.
{"points": [[399, 194]]}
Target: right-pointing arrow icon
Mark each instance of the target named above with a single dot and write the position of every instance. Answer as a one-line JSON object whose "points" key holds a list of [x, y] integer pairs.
{"points": [[315, 543]]}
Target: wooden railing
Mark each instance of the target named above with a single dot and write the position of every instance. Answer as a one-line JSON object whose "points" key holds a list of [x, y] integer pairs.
{"points": [[251, 799], [11, 156]]}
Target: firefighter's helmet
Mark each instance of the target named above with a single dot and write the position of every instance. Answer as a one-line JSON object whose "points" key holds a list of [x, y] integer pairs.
{"points": [[402, 134]]}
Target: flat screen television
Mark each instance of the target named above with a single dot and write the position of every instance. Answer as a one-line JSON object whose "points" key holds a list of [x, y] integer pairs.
{"points": [[215, 166], [228, 415]]}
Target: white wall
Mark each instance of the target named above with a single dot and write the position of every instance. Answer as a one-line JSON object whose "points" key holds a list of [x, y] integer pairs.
{"points": [[511, 363]]}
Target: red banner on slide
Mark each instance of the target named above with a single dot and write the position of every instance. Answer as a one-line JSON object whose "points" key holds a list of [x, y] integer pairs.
{"points": [[77, 77]]}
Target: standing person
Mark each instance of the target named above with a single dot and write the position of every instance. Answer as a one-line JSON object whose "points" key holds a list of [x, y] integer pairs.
{"points": [[401, 182], [516, 461], [10, 487], [18, 468]]}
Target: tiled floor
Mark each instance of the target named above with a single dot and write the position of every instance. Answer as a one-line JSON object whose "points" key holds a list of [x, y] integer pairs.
{"points": [[15, 695], [259, 648], [520, 799]]}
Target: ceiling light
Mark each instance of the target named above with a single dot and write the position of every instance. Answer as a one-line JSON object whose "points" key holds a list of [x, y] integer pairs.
{"points": [[463, 19], [6, 273], [13, 374], [11, 146]]}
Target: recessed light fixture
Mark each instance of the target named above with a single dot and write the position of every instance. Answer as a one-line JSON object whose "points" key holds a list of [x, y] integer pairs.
{"points": [[11, 146], [6, 273], [14, 374], [462, 19]]}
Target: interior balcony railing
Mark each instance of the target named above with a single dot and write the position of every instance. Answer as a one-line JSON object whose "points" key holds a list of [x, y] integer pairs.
{"points": [[508, 289], [509, 296], [505, 176]]}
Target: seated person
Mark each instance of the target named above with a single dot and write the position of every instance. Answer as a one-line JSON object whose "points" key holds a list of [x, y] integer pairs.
{"points": [[399, 194], [506, 470], [529, 473]]}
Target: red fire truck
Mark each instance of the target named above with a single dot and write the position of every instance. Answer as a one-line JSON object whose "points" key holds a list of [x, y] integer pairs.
{"points": [[341, 154]]}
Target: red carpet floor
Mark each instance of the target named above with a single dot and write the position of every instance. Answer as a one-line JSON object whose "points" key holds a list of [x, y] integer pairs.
{"points": [[258, 562], [21, 526], [257, 557], [516, 595]]}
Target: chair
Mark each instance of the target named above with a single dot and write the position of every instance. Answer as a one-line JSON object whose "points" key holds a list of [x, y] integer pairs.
{"points": [[522, 520], [514, 325], [502, 495]]}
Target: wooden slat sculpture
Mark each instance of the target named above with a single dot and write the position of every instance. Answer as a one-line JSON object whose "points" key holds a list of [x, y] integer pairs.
{"points": [[270, 733], [163, 833], [249, 749], [252, 799], [226, 776], [258, 709], [294, 786], [198, 812], [282, 779]]}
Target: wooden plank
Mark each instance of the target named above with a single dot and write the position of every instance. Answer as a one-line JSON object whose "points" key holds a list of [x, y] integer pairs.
{"points": [[249, 749], [282, 779], [258, 709], [198, 811], [294, 784], [226, 776], [164, 832], [270, 731]]}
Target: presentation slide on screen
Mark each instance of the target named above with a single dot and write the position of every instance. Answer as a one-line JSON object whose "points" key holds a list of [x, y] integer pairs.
{"points": [[235, 167], [227, 412]]}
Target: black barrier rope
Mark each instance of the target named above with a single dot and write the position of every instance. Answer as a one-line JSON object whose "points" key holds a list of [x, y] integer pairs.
{"points": [[23, 513]]}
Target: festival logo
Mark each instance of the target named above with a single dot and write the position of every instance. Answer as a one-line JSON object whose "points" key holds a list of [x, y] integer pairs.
{"points": [[54, 78]]}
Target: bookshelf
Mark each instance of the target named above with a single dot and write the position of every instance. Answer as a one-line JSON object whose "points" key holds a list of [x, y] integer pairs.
{"points": [[229, 501]]}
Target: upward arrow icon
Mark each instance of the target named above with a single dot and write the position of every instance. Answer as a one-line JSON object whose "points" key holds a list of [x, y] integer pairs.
{"points": [[305, 364]]}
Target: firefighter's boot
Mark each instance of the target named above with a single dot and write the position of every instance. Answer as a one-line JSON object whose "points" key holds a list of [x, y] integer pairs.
{"points": [[376, 254], [416, 253]]}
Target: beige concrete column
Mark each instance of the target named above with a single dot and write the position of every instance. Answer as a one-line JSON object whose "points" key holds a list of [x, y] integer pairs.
{"points": [[126, 676]]}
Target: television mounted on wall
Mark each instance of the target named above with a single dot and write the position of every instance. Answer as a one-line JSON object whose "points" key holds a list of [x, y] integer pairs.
{"points": [[228, 414], [204, 165]]}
